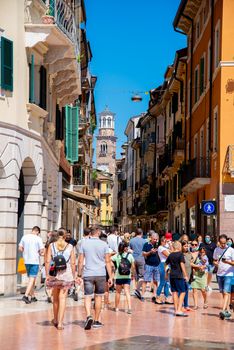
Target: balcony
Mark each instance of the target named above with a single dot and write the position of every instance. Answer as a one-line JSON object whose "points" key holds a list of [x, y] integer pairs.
{"points": [[106, 193], [52, 33], [195, 175], [165, 160], [177, 150]]}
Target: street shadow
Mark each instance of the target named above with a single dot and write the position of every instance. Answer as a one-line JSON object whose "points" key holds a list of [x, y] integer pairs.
{"points": [[168, 312], [79, 323], [45, 324]]}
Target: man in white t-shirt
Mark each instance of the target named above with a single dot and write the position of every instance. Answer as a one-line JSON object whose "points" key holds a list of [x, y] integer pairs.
{"points": [[32, 247], [114, 239], [224, 260]]}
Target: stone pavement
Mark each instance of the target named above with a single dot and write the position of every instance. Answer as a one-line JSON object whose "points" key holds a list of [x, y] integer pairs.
{"points": [[24, 327]]}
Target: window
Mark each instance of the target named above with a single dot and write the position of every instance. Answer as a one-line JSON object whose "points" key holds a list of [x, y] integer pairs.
{"points": [[109, 122], [198, 29], [72, 133], [103, 148], [6, 64], [202, 74], [207, 138], [208, 62], [217, 45], [196, 85], [215, 129]]}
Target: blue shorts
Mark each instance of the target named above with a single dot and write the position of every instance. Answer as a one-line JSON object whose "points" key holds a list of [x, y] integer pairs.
{"points": [[121, 281], [32, 270], [178, 285], [225, 283], [210, 268], [151, 273]]}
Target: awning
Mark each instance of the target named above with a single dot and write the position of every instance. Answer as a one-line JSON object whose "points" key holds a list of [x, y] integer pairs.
{"points": [[79, 197]]}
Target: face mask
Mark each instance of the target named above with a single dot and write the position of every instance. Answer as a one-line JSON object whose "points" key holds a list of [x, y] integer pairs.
{"points": [[229, 244], [207, 239], [195, 249]]}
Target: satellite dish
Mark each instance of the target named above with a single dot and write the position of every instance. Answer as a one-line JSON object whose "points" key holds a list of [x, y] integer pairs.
{"points": [[136, 98]]}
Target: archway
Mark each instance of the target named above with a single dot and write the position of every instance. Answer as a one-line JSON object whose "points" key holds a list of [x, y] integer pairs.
{"points": [[27, 186]]}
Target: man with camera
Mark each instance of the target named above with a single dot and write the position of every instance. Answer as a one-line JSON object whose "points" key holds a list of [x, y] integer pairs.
{"points": [[224, 260], [152, 261]]}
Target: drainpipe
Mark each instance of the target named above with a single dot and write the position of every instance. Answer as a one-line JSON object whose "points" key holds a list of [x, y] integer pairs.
{"points": [[211, 71]]}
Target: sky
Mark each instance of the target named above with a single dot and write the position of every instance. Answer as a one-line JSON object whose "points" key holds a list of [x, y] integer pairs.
{"points": [[132, 43]]}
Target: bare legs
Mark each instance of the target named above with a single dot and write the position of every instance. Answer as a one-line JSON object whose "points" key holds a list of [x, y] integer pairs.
{"points": [[59, 305], [117, 295], [195, 297], [30, 287], [226, 301], [127, 294], [178, 301], [126, 288]]}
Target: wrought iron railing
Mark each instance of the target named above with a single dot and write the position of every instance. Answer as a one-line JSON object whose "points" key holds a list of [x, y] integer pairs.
{"points": [[196, 168], [65, 20]]}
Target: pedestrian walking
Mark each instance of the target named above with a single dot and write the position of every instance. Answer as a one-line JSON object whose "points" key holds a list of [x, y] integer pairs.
{"points": [[96, 255], [210, 248], [32, 247], [124, 268], [51, 238], [188, 260], [63, 271], [136, 244], [152, 261], [178, 277], [224, 260], [199, 264], [164, 251], [114, 239]]}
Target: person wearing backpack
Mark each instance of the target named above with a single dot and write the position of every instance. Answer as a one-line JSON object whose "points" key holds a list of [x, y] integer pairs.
{"points": [[124, 265], [60, 276]]}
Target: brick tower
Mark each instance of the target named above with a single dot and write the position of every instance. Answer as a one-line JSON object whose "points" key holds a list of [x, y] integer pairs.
{"points": [[106, 142]]}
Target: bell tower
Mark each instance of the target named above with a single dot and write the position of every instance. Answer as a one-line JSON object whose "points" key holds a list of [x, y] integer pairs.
{"points": [[106, 142]]}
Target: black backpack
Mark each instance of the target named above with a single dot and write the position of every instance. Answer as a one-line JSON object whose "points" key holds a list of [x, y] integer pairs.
{"points": [[124, 266], [59, 262]]}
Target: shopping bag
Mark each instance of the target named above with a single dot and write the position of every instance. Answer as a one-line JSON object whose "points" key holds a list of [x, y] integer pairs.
{"points": [[21, 266]]}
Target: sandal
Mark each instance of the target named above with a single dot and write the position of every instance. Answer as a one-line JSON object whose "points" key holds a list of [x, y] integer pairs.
{"points": [[60, 328], [205, 306], [195, 308], [55, 324]]}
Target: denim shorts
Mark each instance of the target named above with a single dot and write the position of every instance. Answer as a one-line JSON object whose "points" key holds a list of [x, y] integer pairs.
{"points": [[210, 268], [32, 270], [151, 273], [225, 283], [178, 285], [122, 281], [94, 285]]}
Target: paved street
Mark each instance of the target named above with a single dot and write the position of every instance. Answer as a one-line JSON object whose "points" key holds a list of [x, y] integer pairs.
{"points": [[149, 327]]}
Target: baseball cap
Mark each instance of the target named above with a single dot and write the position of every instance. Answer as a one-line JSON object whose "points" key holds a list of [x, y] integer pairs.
{"points": [[168, 236]]}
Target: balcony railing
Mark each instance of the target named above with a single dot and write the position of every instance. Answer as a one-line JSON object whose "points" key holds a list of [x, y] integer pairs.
{"points": [[195, 174]]}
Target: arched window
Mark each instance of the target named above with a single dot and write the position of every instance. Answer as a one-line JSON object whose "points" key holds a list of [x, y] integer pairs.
{"points": [[104, 122], [109, 122], [103, 148]]}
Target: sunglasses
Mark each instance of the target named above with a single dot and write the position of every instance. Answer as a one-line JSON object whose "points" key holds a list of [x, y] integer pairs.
{"points": [[194, 244]]}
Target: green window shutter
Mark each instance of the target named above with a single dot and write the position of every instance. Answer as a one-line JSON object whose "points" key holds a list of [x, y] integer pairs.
{"points": [[6, 64], [72, 133], [31, 81], [202, 75]]}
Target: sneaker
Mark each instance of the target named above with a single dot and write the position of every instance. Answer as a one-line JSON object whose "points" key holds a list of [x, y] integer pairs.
{"points": [[227, 315], [33, 299], [129, 311], [208, 289], [26, 300], [153, 299], [137, 294], [97, 324], [142, 299], [88, 323], [49, 300]]}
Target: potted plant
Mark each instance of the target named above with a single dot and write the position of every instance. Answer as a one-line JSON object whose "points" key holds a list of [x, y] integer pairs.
{"points": [[48, 17]]}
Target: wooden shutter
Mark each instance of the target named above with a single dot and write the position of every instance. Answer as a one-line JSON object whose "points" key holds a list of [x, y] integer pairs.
{"points": [[72, 133], [43, 87], [6, 64], [31, 81], [201, 75]]}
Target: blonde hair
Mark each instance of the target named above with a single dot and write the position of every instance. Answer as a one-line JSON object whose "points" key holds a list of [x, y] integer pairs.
{"points": [[176, 245], [60, 243]]}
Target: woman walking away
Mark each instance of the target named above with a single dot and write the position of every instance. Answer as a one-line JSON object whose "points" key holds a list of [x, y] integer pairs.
{"points": [[200, 268], [178, 277], [124, 264], [63, 272]]}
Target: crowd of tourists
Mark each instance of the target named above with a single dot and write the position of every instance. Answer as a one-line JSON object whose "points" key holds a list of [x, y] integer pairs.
{"points": [[102, 262]]}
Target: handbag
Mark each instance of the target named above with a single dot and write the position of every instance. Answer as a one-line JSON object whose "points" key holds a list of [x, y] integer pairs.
{"points": [[21, 268]]}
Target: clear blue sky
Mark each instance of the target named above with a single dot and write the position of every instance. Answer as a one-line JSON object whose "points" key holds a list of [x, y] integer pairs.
{"points": [[132, 42]]}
